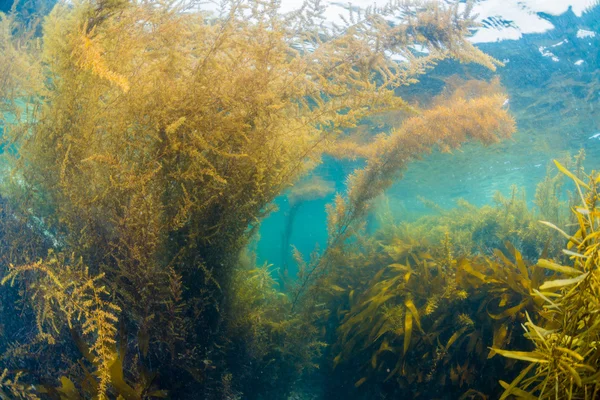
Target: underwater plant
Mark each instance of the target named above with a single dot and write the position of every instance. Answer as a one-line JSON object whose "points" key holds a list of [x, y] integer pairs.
{"points": [[453, 121], [65, 286], [484, 229], [481, 230], [149, 140], [11, 388], [416, 320], [565, 361], [283, 347], [420, 308]]}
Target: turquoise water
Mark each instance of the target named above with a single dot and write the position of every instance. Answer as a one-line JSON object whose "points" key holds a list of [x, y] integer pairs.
{"points": [[554, 101]]}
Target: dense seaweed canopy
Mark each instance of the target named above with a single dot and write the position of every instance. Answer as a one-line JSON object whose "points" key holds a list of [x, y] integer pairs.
{"points": [[147, 139]]}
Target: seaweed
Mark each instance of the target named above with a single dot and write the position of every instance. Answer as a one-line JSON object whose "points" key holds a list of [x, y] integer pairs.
{"points": [[428, 318], [11, 388], [564, 362], [65, 294], [147, 143]]}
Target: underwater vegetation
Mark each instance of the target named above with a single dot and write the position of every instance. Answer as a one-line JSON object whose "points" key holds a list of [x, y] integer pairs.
{"points": [[482, 230], [565, 360], [423, 324], [418, 317], [146, 141]]}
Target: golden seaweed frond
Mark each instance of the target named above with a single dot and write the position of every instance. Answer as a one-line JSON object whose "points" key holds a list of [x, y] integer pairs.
{"points": [[261, 323], [12, 388], [564, 363], [413, 321], [19, 68], [444, 126], [64, 293]]}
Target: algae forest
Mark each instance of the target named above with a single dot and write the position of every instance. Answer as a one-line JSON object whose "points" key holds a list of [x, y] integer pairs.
{"points": [[251, 199]]}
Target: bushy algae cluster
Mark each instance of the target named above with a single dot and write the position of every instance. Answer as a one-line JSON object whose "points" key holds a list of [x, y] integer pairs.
{"points": [[144, 143]]}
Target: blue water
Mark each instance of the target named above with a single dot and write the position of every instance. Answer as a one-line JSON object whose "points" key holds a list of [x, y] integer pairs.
{"points": [[555, 100]]}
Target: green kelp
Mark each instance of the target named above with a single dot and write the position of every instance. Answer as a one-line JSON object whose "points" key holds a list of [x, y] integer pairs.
{"points": [[417, 306], [155, 140]]}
